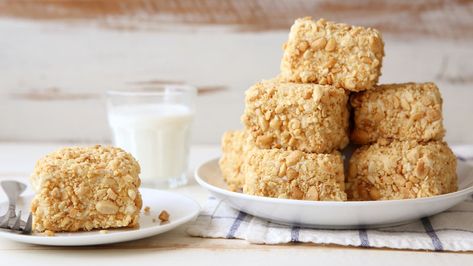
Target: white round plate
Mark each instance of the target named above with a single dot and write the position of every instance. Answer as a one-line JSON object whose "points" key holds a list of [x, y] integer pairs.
{"points": [[180, 208], [333, 214]]}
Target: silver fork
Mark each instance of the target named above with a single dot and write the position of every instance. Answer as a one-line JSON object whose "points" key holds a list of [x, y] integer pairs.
{"points": [[11, 220]]}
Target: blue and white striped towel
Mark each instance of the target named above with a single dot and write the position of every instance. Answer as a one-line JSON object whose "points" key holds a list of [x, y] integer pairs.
{"points": [[451, 230]]}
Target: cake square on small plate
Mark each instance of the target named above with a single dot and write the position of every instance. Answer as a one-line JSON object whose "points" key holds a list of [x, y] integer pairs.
{"points": [[90, 196]]}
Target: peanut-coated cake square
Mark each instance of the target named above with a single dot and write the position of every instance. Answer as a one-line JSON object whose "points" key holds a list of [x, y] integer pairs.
{"points": [[295, 175], [235, 145], [306, 117], [81, 189], [409, 111], [325, 52], [401, 170]]}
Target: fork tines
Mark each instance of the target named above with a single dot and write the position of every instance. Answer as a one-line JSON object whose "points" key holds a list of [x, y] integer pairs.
{"points": [[13, 222]]}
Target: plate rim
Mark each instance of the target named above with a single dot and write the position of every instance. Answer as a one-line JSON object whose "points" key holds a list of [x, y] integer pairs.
{"points": [[212, 188], [103, 239]]}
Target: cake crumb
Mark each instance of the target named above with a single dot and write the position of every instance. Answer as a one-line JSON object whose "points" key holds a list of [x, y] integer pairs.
{"points": [[103, 231], [164, 216], [154, 220], [147, 210], [49, 233]]}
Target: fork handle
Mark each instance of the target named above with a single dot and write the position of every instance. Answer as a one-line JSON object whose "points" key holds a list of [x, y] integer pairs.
{"points": [[13, 189]]}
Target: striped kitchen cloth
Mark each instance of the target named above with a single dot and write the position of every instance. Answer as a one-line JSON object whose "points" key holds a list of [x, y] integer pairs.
{"points": [[451, 230]]}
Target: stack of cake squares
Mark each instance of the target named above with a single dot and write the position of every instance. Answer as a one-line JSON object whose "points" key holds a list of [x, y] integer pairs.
{"points": [[296, 124], [403, 155]]}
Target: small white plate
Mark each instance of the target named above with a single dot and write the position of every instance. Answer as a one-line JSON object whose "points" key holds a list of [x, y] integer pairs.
{"points": [[180, 208], [332, 214]]}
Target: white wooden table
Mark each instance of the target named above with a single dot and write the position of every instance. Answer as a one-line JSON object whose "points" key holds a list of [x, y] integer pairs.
{"points": [[177, 248]]}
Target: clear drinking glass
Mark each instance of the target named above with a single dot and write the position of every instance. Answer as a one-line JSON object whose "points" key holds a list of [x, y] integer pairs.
{"points": [[154, 126]]}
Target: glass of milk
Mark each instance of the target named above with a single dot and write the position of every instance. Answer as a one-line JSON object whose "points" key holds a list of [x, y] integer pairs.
{"points": [[155, 127]]}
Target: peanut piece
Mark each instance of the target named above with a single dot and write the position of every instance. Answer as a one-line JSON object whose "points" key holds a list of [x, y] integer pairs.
{"points": [[282, 170], [302, 46], [164, 216], [374, 194], [291, 173], [405, 105], [312, 194], [420, 169], [331, 45], [319, 43], [131, 194], [264, 141], [297, 193], [106, 207], [293, 158]]}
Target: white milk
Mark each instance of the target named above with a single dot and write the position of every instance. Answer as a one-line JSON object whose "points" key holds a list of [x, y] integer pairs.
{"points": [[157, 136]]}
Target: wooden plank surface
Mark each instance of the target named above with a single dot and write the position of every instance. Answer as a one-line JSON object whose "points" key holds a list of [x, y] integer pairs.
{"points": [[57, 57], [440, 18]]}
